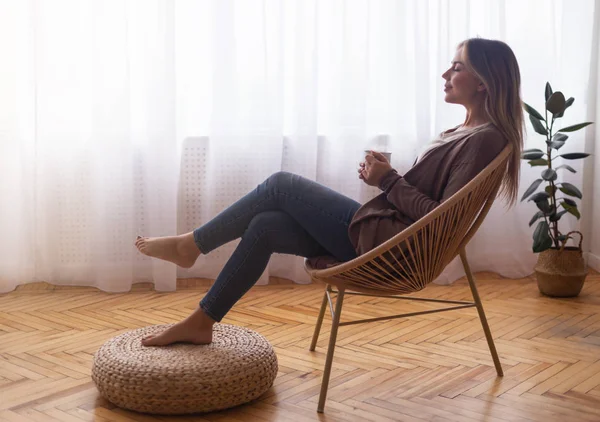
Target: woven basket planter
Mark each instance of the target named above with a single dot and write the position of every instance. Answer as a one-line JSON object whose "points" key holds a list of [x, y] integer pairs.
{"points": [[561, 272], [237, 367]]}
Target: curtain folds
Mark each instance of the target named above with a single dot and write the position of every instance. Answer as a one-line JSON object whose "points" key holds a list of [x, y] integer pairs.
{"points": [[120, 118]]}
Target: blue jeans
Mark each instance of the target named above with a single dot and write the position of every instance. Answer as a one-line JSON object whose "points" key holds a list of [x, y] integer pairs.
{"points": [[286, 214]]}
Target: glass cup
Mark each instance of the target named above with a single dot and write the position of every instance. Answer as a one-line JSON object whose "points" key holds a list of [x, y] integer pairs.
{"points": [[387, 155]]}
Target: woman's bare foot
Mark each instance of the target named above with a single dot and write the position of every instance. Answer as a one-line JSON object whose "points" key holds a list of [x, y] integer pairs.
{"points": [[195, 329], [180, 250]]}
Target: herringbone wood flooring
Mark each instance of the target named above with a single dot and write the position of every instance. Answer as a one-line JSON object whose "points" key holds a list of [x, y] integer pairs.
{"points": [[433, 367]]}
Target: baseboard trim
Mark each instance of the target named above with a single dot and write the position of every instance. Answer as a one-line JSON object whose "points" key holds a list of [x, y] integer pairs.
{"points": [[593, 261]]}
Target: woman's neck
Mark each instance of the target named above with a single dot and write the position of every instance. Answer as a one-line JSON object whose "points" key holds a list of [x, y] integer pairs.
{"points": [[474, 122], [476, 116]]}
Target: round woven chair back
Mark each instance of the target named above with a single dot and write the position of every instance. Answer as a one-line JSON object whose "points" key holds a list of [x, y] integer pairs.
{"points": [[416, 256]]}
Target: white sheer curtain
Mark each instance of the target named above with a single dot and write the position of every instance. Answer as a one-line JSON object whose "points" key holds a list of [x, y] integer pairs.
{"points": [[120, 118]]}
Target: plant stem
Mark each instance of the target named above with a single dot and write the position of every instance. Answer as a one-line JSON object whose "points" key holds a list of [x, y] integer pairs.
{"points": [[552, 185], [554, 239]]}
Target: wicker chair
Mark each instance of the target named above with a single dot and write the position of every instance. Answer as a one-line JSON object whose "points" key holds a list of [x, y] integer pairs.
{"points": [[412, 259]]}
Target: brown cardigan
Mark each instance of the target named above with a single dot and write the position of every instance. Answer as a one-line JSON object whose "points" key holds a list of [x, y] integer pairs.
{"points": [[405, 199], [439, 174]]}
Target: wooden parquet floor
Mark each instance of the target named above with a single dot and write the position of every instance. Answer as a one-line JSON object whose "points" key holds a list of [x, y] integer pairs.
{"points": [[433, 367]]}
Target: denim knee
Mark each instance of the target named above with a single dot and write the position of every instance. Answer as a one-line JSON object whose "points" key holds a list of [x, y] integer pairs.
{"points": [[271, 220], [278, 179]]}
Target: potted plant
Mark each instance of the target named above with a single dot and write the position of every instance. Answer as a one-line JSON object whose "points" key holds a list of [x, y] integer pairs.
{"points": [[560, 270]]}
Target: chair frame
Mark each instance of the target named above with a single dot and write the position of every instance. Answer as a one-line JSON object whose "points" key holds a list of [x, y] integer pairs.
{"points": [[495, 169]]}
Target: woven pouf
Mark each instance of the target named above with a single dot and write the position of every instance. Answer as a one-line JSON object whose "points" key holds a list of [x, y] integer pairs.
{"points": [[237, 367]]}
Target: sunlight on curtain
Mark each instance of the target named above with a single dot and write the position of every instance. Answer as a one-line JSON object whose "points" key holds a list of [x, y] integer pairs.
{"points": [[120, 118]]}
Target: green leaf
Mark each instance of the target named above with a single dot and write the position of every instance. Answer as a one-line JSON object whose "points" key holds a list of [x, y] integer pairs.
{"points": [[531, 189], [533, 112], [532, 150], [556, 103], [560, 137], [540, 196], [570, 202], [534, 155], [574, 155], [571, 210], [538, 162], [571, 169], [558, 140], [571, 190], [538, 126], [575, 212], [548, 91], [575, 127], [568, 104], [549, 175], [550, 189], [541, 237], [544, 206], [536, 217], [556, 216]]}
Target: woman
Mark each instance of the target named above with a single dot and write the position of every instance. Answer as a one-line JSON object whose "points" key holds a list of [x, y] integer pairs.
{"points": [[293, 215]]}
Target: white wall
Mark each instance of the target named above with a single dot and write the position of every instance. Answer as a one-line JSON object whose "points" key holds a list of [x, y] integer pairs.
{"points": [[594, 214], [591, 172], [591, 190]]}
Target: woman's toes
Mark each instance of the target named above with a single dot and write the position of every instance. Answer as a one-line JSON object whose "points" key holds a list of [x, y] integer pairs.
{"points": [[146, 339], [155, 341]]}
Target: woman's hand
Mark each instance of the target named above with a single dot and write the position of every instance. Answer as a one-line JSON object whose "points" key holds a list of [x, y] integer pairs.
{"points": [[373, 168]]}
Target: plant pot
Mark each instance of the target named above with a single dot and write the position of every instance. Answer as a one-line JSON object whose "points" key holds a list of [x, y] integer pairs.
{"points": [[561, 272]]}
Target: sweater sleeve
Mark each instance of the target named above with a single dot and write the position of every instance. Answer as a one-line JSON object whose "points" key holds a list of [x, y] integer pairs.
{"points": [[414, 204]]}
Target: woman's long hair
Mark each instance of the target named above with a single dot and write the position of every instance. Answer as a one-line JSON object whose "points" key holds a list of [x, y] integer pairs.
{"points": [[495, 64]]}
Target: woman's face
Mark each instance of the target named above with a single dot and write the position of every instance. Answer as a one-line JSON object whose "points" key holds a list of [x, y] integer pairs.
{"points": [[462, 86]]}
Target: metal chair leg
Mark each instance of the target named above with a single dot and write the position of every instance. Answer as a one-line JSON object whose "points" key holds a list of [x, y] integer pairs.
{"points": [[482, 318], [313, 343], [330, 349]]}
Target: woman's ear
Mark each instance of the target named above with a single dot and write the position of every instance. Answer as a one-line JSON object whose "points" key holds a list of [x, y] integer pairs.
{"points": [[481, 87]]}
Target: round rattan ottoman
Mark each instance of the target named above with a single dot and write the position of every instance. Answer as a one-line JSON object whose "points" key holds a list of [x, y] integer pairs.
{"points": [[237, 367]]}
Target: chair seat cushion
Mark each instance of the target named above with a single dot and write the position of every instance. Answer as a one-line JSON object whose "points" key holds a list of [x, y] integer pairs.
{"points": [[322, 262], [237, 367]]}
